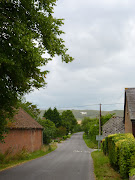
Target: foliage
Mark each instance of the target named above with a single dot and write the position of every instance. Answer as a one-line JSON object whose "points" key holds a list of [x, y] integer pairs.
{"points": [[54, 116], [68, 120], [78, 128], [61, 131], [102, 169], [31, 109], [120, 149], [105, 118], [49, 131], [27, 30], [132, 172], [86, 124], [64, 137], [89, 141], [48, 114], [91, 128], [10, 160]]}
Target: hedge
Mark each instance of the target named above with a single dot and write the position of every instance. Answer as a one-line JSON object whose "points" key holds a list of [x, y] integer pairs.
{"points": [[121, 151]]}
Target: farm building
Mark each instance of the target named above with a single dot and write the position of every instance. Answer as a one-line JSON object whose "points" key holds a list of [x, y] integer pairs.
{"points": [[114, 125], [24, 133], [129, 110]]}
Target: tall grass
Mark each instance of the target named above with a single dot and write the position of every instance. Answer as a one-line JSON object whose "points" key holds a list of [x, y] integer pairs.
{"points": [[8, 159], [90, 142], [102, 168]]}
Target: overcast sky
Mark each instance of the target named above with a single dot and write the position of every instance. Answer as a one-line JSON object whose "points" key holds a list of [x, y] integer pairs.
{"points": [[100, 35]]}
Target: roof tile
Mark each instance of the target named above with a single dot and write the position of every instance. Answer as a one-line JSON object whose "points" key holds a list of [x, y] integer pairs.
{"points": [[22, 120]]}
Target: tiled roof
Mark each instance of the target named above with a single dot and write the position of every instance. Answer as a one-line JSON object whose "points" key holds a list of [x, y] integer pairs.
{"points": [[130, 96], [22, 120], [113, 126]]}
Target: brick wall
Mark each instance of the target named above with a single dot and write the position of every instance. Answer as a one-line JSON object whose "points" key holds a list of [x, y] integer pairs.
{"points": [[17, 139]]}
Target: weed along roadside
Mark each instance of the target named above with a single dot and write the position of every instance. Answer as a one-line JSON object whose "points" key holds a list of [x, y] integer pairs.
{"points": [[8, 160], [102, 168]]}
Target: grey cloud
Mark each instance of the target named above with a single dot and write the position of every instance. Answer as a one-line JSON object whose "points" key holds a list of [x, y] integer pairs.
{"points": [[100, 36]]}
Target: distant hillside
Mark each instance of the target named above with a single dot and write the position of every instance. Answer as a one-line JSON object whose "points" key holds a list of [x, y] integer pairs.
{"points": [[90, 113]]}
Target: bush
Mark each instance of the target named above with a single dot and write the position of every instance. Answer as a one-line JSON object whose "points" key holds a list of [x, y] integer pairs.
{"points": [[78, 128], [2, 157], [61, 131], [49, 131], [120, 148], [64, 137], [132, 172], [21, 155]]}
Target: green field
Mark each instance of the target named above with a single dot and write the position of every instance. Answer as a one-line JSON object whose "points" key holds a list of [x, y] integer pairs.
{"points": [[90, 113]]}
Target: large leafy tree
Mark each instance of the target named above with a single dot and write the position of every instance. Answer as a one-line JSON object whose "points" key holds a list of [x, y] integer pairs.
{"points": [[54, 116], [49, 130], [68, 120], [27, 30]]}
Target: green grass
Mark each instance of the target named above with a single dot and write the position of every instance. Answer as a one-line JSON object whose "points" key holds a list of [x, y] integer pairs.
{"points": [[7, 160], [90, 142], [102, 168]]}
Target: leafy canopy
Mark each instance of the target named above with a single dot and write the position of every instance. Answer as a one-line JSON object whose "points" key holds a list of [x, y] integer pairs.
{"points": [[49, 130], [68, 120], [54, 116], [27, 30]]}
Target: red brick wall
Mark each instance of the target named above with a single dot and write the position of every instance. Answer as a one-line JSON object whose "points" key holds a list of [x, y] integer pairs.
{"points": [[18, 139]]}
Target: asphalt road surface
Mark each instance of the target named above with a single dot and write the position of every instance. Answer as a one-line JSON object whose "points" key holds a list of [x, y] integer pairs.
{"points": [[70, 161]]}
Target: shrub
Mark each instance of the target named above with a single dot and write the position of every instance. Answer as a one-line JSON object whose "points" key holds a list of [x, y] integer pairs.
{"points": [[120, 148], [49, 130], [126, 150], [78, 128], [2, 157], [21, 155], [64, 137], [61, 131], [132, 172]]}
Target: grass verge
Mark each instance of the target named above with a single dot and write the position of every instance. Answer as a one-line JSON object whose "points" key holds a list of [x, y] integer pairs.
{"points": [[89, 142], [7, 160], [102, 168]]}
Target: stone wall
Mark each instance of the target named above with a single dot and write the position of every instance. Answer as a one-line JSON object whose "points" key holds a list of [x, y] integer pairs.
{"points": [[114, 125]]}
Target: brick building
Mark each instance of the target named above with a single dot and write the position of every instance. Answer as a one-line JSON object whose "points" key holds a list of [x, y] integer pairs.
{"points": [[114, 125], [24, 133], [129, 110]]}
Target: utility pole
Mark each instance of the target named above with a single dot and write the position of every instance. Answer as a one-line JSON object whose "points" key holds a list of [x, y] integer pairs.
{"points": [[100, 120], [99, 137]]}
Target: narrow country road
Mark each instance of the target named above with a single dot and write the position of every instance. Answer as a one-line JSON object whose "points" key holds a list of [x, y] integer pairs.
{"points": [[70, 161]]}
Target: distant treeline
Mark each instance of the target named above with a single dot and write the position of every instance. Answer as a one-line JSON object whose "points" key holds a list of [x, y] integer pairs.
{"points": [[90, 113]]}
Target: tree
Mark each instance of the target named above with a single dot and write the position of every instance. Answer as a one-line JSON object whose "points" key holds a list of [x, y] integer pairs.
{"points": [[61, 131], [54, 116], [48, 114], [68, 120], [49, 130], [27, 30], [31, 109], [86, 124]]}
